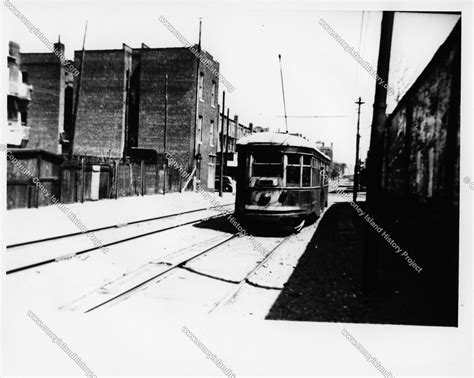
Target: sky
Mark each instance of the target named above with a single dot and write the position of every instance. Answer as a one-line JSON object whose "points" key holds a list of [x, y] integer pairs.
{"points": [[246, 37]]}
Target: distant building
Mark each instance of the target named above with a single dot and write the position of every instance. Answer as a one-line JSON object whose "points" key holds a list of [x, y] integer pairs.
{"points": [[260, 129], [327, 150], [18, 100], [231, 135]]}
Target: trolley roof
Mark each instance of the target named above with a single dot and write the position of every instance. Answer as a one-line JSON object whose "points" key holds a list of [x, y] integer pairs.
{"points": [[278, 139]]}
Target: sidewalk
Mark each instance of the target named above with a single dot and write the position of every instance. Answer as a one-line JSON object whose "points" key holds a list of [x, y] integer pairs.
{"points": [[31, 224]]}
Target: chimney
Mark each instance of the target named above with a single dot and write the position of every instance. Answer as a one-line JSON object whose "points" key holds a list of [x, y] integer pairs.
{"points": [[58, 46], [251, 127], [14, 49]]}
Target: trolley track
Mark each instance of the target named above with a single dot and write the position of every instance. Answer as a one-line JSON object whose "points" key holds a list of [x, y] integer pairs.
{"points": [[157, 271], [144, 275], [246, 280], [115, 242], [29, 242]]}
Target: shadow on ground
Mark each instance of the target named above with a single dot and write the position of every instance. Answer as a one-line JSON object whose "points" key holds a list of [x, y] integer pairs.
{"points": [[224, 224], [327, 284]]}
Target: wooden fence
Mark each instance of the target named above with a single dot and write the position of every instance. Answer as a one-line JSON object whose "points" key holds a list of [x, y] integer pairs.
{"points": [[86, 182], [82, 180]]}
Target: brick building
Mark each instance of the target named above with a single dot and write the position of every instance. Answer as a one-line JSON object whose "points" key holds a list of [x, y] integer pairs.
{"points": [[102, 106], [121, 107], [49, 101]]}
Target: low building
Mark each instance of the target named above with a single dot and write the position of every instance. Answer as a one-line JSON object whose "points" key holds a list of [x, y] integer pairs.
{"points": [[18, 100]]}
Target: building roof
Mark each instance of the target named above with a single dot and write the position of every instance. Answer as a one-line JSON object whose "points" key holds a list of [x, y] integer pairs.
{"points": [[278, 139]]}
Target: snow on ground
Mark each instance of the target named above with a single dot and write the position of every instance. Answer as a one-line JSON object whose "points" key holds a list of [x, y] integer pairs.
{"points": [[150, 316], [32, 224]]}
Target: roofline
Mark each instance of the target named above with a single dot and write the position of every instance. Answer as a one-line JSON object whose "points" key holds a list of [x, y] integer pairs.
{"points": [[269, 143]]}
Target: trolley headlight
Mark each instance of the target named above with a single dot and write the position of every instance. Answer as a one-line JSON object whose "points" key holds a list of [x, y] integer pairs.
{"points": [[283, 196], [264, 199]]}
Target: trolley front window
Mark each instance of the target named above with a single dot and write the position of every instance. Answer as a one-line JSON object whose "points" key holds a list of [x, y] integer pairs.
{"points": [[298, 170], [267, 164], [293, 170]]}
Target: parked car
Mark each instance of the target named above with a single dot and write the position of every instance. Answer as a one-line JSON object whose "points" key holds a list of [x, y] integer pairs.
{"points": [[229, 184]]}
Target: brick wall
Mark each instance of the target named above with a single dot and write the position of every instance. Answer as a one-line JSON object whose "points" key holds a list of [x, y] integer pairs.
{"points": [[180, 65], [100, 125], [46, 109], [209, 112]]}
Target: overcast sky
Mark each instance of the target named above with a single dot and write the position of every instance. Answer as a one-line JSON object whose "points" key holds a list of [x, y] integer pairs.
{"points": [[246, 38]]}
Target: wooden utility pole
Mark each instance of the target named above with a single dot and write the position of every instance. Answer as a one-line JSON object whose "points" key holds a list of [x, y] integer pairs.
{"points": [[165, 166], [221, 168], [375, 154], [197, 166], [226, 140], [356, 166], [76, 100]]}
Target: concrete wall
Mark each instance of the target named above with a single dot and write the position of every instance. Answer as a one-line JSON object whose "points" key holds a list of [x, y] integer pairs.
{"points": [[421, 161]]}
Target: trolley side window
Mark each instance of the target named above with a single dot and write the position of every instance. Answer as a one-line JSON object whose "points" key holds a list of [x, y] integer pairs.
{"points": [[306, 179], [267, 164], [324, 174], [316, 164]]}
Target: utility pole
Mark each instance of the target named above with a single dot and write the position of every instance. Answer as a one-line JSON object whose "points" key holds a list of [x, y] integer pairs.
{"points": [[197, 164], [221, 170], [226, 140], [375, 155], [165, 168], [356, 166]]}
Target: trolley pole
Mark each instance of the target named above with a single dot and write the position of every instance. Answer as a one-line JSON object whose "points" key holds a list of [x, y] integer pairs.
{"points": [[221, 170], [165, 167], [356, 166]]}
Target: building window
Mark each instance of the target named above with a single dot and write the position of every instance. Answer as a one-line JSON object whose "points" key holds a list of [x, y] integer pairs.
{"points": [[201, 86], [211, 134], [213, 94], [199, 130]]}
